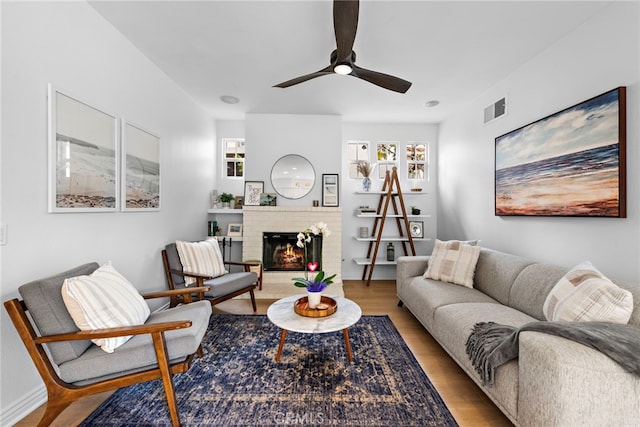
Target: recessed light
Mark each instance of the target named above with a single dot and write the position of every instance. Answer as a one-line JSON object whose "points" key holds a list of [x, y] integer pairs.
{"points": [[432, 103], [228, 99]]}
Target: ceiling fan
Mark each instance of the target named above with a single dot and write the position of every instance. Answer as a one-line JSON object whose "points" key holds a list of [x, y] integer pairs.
{"points": [[342, 60]]}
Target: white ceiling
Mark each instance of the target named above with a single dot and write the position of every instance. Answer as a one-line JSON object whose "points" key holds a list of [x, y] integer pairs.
{"points": [[451, 51]]}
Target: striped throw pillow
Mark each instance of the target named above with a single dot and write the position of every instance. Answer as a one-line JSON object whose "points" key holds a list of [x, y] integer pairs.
{"points": [[453, 261], [104, 299], [203, 258], [584, 294]]}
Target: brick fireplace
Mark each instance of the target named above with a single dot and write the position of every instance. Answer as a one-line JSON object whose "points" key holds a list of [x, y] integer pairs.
{"points": [[292, 219]]}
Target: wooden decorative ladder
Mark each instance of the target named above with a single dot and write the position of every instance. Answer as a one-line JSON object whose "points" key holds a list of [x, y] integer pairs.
{"points": [[391, 194]]}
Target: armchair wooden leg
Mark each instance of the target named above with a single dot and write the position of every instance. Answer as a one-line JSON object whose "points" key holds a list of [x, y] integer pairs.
{"points": [[54, 407], [160, 346], [253, 300]]}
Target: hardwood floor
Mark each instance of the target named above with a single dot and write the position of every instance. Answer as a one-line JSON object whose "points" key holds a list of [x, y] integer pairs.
{"points": [[467, 403]]}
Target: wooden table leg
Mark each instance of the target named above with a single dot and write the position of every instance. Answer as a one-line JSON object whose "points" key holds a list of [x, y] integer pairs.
{"points": [[347, 343], [282, 338]]}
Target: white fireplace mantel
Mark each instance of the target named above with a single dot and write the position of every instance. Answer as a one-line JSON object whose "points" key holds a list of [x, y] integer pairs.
{"points": [[283, 219]]}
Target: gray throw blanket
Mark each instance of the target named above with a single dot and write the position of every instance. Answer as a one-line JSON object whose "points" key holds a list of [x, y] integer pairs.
{"points": [[491, 345]]}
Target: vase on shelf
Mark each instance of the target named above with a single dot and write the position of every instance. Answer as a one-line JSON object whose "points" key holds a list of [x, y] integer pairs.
{"points": [[313, 298], [366, 183]]}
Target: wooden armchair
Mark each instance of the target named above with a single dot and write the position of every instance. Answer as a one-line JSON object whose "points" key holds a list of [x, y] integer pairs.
{"points": [[163, 346], [222, 287]]}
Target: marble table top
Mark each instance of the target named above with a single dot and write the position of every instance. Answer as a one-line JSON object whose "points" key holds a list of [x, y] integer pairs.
{"points": [[281, 314]]}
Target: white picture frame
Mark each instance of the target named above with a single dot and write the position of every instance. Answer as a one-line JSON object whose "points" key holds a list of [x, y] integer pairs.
{"points": [[83, 167], [252, 191], [234, 230]]}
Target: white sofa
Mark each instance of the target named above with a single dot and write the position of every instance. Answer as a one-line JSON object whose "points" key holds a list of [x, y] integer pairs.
{"points": [[555, 382]]}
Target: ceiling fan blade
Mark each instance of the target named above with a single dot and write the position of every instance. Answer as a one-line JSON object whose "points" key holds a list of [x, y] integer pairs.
{"points": [[323, 72], [386, 81], [345, 24]]}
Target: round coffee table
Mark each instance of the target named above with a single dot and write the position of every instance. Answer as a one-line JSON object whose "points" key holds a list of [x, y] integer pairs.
{"points": [[281, 314]]}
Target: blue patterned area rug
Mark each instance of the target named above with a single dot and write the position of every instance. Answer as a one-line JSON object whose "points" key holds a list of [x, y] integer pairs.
{"points": [[238, 383]]}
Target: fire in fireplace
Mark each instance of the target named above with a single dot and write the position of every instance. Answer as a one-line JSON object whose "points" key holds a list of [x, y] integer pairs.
{"points": [[280, 253]]}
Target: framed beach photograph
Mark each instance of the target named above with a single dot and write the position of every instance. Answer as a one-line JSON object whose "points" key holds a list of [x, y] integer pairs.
{"points": [[140, 169], [83, 156], [571, 163], [268, 199], [252, 191], [234, 230], [330, 189]]}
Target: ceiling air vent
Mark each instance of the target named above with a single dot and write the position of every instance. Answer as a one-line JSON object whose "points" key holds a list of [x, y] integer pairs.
{"points": [[495, 110]]}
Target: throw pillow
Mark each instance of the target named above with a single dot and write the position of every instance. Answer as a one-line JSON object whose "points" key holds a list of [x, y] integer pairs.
{"points": [[453, 262], [584, 294], [104, 299], [202, 258]]}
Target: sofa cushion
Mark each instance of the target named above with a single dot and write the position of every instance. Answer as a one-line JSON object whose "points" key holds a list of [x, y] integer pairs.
{"points": [[584, 294], [424, 296], [453, 324], [496, 271], [453, 262], [531, 287], [104, 299], [202, 258]]}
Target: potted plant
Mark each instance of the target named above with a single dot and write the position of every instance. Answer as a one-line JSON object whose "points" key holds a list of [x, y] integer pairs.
{"points": [[226, 199], [415, 210]]}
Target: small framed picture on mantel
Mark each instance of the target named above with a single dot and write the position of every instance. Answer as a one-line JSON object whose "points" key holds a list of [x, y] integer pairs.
{"points": [[330, 189]]}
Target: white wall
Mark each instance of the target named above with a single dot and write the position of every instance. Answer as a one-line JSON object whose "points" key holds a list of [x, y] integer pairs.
{"points": [[271, 136], [385, 132], [70, 45], [598, 56]]}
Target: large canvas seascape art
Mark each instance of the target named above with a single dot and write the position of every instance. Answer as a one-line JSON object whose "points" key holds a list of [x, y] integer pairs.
{"points": [[571, 163]]}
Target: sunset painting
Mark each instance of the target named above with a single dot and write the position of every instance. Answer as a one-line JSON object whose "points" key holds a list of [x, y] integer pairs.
{"points": [[571, 163]]}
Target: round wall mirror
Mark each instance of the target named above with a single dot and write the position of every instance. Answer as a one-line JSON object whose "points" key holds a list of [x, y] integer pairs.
{"points": [[292, 176]]}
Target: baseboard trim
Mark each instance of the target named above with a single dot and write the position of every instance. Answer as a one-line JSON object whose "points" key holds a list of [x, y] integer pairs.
{"points": [[23, 407]]}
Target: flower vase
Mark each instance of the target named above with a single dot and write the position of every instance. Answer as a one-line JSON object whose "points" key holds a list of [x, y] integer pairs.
{"points": [[314, 298], [366, 183]]}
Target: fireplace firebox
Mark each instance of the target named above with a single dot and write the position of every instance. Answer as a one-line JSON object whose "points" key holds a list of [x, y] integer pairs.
{"points": [[280, 252]]}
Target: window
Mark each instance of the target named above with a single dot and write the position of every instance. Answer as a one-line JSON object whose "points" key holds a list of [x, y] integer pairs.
{"points": [[387, 155], [234, 157], [358, 151], [417, 155]]}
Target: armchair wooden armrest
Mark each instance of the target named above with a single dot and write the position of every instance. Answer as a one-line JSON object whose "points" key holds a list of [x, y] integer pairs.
{"points": [[114, 332], [186, 292]]}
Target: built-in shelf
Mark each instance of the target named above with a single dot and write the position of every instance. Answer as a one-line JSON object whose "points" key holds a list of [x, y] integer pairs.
{"points": [[390, 239], [232, 238], [224, 211]]}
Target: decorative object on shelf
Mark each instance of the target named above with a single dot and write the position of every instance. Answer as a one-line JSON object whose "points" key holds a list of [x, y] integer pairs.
{"points": [[364, 232], [330, 189], [416, 186], [316, 203], [319, 283], [215, 199], [234, 230], [268, 199], [416, 228], [391, 252], [226, 199], [213, 227], [238, 202], [365, 168], [415, 210], [252, 191], [577, 169]]}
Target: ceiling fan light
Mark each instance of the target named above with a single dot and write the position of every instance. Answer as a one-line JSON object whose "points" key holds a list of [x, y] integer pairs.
{"points": [[343, 69]]}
